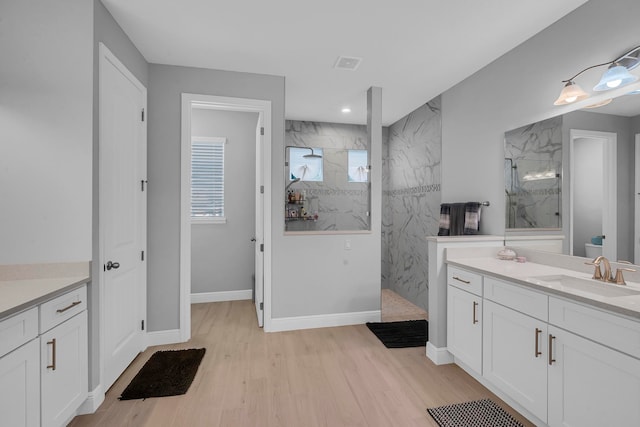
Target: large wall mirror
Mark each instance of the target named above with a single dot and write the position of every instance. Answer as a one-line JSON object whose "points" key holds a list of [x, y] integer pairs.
{"points": [[575, 175]]}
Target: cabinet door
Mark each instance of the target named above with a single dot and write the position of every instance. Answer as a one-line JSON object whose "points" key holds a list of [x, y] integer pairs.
{"points": [[20, 386], [591, 385], [464, 327], [514, 356], [64, 370]]}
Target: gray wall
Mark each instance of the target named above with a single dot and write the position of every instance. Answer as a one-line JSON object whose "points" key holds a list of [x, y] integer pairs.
{"points": [[587, 192], [481, 108], [412, 205], [45, 128], [107, 31], [222, 255], [166, 84]]}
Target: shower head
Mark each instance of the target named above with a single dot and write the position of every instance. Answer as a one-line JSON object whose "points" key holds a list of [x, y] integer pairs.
{"points": [[312, 155], [306, 156]]}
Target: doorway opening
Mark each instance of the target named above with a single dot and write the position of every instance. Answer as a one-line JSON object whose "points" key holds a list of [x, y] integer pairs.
{"points": [[593, 193], [247, 181]]}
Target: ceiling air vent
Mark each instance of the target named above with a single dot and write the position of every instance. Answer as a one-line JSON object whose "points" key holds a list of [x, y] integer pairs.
{"points": [[347, 63]]}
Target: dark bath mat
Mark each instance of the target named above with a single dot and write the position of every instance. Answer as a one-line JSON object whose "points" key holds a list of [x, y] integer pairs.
{"points": [[166, 373], [478, 413], [408, 333]]}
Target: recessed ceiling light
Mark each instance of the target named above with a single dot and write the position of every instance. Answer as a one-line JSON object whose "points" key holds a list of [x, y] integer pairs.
{"points": [[346, 110]]}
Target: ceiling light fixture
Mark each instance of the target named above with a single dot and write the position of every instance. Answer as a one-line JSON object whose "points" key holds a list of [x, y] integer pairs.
{"points": [[346, 110], [617, 75]]}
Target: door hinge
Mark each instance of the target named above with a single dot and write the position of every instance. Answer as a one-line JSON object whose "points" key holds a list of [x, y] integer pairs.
{"points": [[141, 255], [143, 114], [261, 131], [143, 325], [261, 247], [261, 306], [142, 184], [262, 189]]}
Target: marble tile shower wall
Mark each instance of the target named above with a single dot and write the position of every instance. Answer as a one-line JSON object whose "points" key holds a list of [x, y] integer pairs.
{"points": [[340, 205], [411, 200]]}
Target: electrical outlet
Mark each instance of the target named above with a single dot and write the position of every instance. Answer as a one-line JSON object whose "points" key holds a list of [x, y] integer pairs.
{"points": [[347, 245]]}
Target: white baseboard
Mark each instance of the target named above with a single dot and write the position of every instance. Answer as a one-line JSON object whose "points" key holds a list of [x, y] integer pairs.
{"points": [[202, 297], [322, 321], [92, 402], [171, 336], [439, 355]]}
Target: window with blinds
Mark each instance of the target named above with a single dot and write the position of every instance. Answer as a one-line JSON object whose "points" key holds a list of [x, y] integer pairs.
{"points": [[207, 179]]}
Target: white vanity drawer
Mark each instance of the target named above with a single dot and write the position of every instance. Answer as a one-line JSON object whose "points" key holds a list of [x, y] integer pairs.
{"points": [[465, 280], [517, 298], [605, 328], [17, 330], [64, 307]]}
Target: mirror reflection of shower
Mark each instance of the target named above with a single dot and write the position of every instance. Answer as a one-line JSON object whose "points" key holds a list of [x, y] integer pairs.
{"points": [[532, 192]]}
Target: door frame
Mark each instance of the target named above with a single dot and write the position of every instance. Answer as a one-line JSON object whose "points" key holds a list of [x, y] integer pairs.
{"points": [[609, 216], [106, 55], [636, 244], [263, 108]]}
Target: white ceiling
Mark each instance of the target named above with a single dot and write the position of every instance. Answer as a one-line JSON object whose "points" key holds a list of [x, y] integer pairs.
{"points": [[413, 49]]}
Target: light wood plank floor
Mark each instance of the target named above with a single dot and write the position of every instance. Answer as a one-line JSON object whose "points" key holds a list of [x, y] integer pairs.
{"points": [[333, 377]]}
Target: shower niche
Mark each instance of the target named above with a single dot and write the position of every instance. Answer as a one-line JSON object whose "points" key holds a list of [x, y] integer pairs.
{"points": [[327, 185]]}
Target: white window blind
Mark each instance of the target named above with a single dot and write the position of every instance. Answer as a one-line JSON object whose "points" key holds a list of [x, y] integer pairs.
{"points": [[207, 178]]}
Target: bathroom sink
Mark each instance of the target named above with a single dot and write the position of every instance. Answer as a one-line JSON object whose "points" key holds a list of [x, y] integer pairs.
{"points": [[586, 286]]}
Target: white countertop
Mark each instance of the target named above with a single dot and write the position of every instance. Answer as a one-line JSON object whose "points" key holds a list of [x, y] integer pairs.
{"points": [[521, 274], [26, 285]]}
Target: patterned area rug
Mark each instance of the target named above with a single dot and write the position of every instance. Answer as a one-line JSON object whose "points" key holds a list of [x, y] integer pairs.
{"points": [[478, 413], [166, 373], [408, 333]]}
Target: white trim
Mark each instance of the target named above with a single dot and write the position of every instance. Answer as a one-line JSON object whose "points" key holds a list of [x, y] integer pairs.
{"points": [[204, 297], [610, 188], [98, 280], [171, 336], [92, 402], [636, 245], [438, 355], [262, 107], [323, 320]]}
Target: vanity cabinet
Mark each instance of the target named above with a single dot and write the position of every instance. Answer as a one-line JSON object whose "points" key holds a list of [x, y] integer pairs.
{"points": [[44, 362], [593, 367], [566, 363], [20, 370], [514, 356], [464, 317], [63, 370], [64, 356]]}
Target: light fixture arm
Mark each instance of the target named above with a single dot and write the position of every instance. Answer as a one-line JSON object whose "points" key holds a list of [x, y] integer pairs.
{"points": [[588, 68]]}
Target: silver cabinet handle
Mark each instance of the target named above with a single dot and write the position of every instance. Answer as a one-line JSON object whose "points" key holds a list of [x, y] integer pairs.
{"points": [[475, 305], [538, 332], [70, 306], [53, 354], [461, 280]]}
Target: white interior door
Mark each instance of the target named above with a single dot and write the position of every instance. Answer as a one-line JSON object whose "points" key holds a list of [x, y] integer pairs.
{"points": [[259, 243], [609, 185], [122, 215]]}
